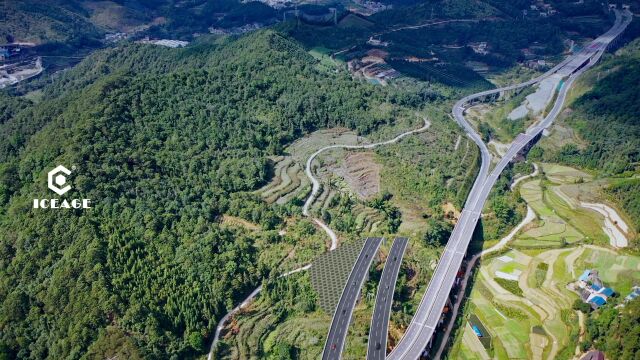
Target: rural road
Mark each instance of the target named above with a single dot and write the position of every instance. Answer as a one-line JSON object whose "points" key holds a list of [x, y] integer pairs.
{"points": [[315, 189], [521, 178], [427, 317]]}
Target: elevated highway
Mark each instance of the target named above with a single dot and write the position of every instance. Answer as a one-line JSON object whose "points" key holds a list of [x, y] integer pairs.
{"points": [[344, 310], [420, 332], [377, 347]]}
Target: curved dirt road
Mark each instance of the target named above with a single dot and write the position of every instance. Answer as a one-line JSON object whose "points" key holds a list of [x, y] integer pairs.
{"points": [[305, 211], [315, 189]]}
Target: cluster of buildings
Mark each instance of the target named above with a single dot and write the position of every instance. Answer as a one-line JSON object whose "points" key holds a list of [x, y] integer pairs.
{"points": [[592, 290], [277, 4], [15, 72], [7, 51], [377, 42], [369, 7], [542, 9], [235, 30], [536, 64], [165, 42], [479, 48], [115, 37], [373, 67]]}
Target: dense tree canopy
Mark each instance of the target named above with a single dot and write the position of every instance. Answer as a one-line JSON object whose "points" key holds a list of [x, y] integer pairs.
{"points": [[606, 117], [162, 147], [616, 331]]}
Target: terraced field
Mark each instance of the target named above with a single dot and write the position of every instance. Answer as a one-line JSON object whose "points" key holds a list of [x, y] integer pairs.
{"points": [[288, 184], [549, 229], [351, 173], [556, 199], [536, 319], [292, 320], [544, 258]]}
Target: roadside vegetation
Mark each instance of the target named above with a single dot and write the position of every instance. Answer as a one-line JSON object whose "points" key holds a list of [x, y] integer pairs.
{"points": [[164, 149], [195, 161], [601, 132]]}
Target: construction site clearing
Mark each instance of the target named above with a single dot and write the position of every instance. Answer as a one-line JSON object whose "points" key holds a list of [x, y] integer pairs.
{"points": [[373, 67], [13, 73]]}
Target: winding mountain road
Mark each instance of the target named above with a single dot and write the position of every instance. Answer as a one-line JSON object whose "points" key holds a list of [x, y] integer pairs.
{"points": [[315, 189], [305, 211], [428, 315]]}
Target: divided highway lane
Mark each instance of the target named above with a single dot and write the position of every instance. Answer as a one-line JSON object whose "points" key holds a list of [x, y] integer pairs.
{"points": [[342, 315], [427, 317], [377, 349]]}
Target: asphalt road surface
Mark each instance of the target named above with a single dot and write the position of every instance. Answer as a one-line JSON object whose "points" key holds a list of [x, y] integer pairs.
{"points": [[427, 317], [377, 349], [342, 316]]}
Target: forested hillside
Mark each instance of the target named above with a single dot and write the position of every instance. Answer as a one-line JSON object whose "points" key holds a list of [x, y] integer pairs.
{"points": [[162, 148], [439, 9], [605, 120], [616, 331], [39, 22], [606, 117]]}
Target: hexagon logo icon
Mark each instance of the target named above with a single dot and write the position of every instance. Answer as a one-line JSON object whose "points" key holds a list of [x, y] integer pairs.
{"points": [[57, 179]]}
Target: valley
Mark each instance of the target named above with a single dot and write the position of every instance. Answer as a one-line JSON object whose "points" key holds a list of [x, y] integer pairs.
{"points": [[254, 166]]}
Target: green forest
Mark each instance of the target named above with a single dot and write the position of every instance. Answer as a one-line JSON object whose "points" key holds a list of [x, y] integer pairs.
{"points": [[164, 143], [615, 330], [608, 129], [605, 117]]}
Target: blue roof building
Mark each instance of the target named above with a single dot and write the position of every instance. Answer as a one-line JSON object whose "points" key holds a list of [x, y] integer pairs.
{"points": [[606, 291], [585, 275], [597, 301], [634, 294], [595, 287]]}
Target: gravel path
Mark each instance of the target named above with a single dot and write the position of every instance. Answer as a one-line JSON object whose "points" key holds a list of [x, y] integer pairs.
{"points": [[316, 184], [305, 211]]}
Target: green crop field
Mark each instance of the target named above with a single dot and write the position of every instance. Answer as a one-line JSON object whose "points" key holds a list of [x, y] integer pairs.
{"points": [[551, 256], [513, 319], [620, 272], [556, 201], [550, 230]]}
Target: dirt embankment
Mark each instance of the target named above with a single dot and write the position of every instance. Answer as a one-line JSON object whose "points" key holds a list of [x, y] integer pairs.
{"points": [[361, 173]]}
